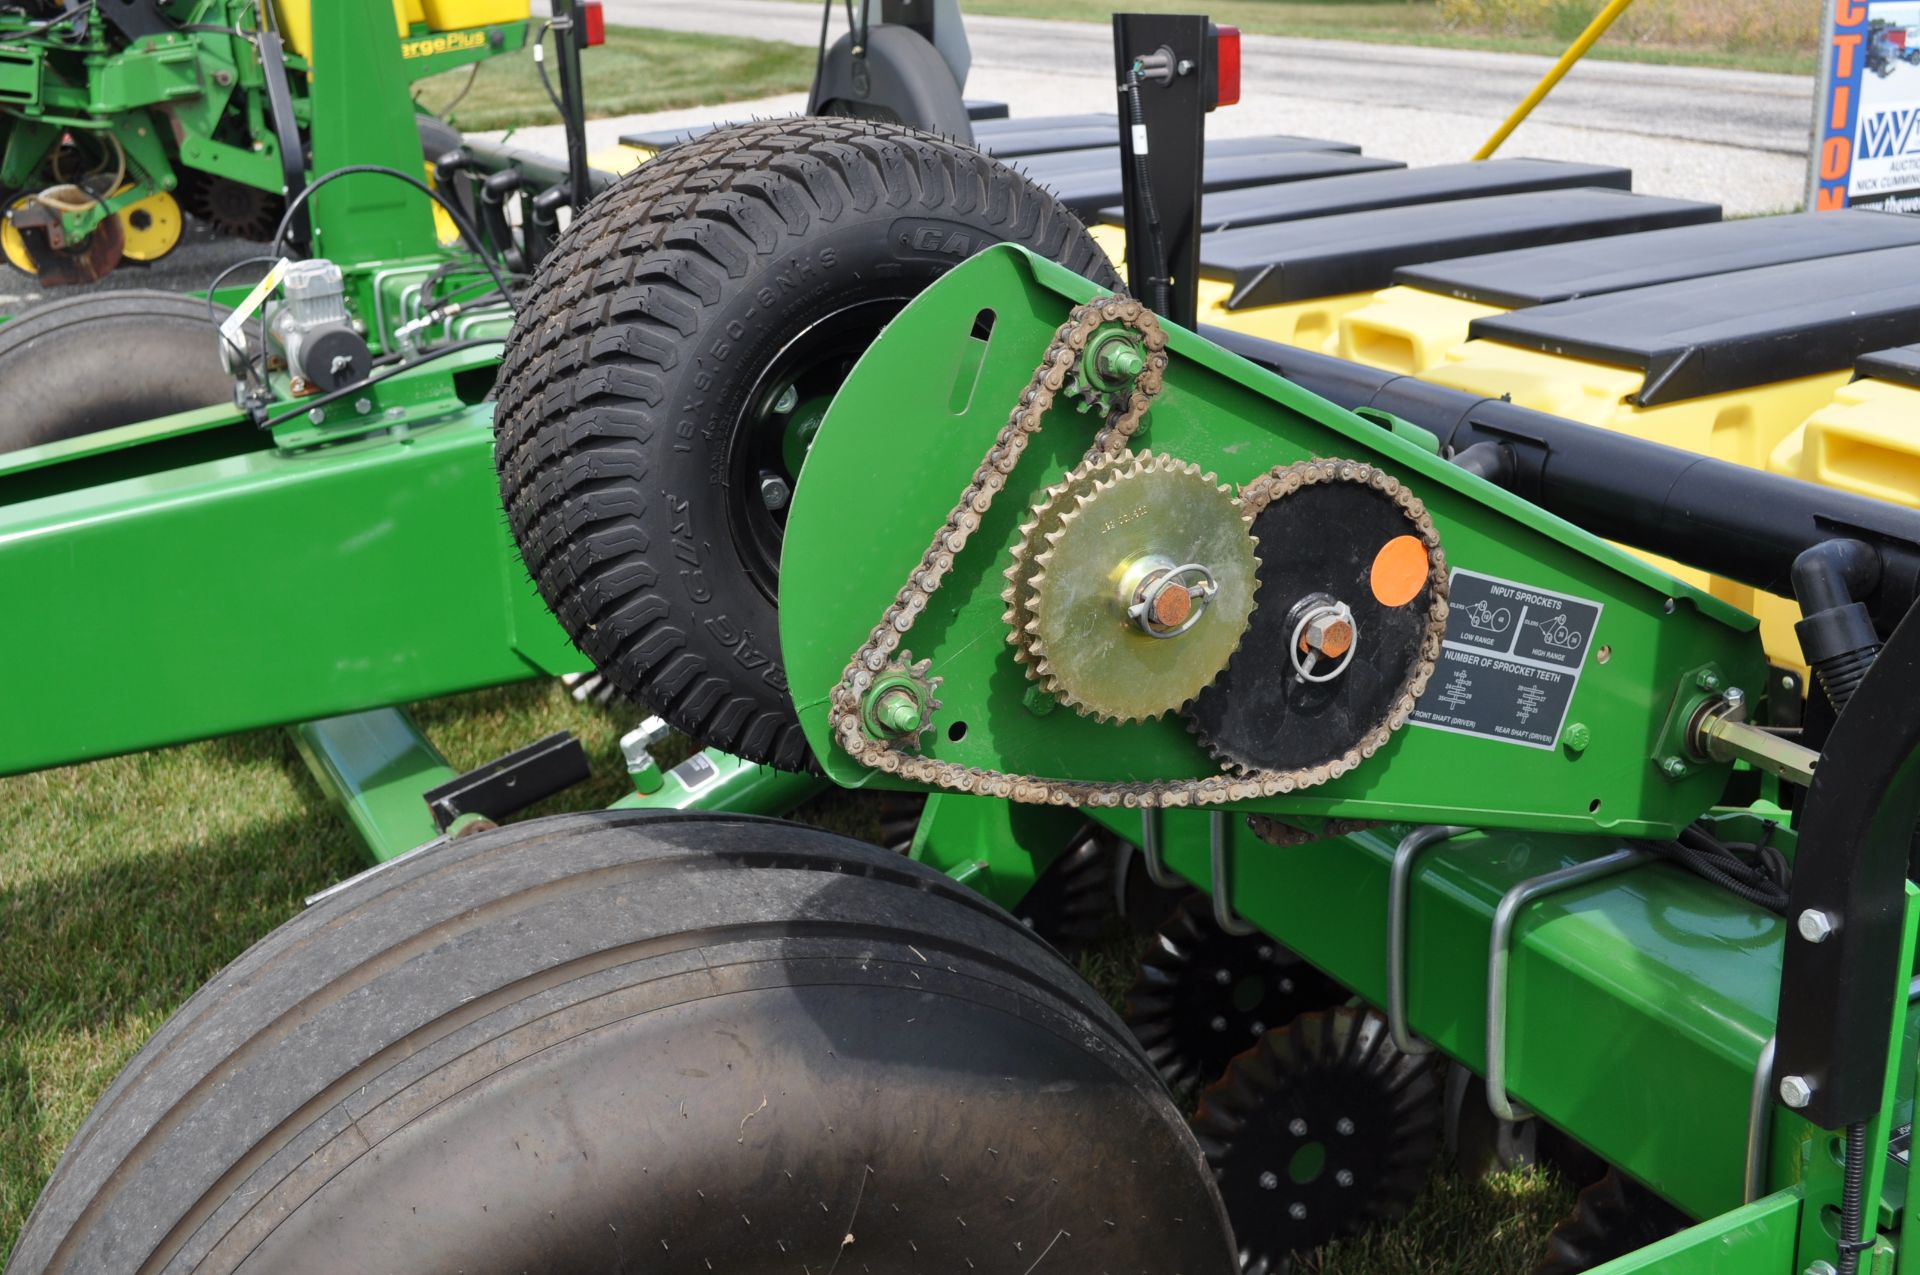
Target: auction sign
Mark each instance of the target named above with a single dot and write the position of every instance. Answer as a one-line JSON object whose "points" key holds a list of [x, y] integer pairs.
{"points": [[1867, 111]]}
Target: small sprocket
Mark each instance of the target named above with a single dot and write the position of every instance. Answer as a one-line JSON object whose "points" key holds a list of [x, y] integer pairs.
{"points": [[1141, 583], [1321, 1131], [900, 703]]}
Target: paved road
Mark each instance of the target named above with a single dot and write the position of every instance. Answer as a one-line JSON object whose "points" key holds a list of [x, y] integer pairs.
{"points": [[1739, 137]]}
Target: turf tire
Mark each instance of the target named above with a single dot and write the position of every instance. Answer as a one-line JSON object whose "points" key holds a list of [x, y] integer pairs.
{"points": [[647, 333]]}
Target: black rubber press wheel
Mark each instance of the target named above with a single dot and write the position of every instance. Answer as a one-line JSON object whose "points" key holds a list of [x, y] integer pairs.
{"points": [[638, 1043], [88, 363], [680, 347]]}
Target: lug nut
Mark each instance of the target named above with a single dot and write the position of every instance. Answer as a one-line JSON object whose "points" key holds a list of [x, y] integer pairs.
{"points": [[774, 491]]}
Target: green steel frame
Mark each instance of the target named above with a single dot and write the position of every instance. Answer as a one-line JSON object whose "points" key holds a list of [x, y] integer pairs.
{"points": [[1655, 634]]}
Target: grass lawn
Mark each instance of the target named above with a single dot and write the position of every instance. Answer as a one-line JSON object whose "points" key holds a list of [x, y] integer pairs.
{"points": [[127, 883], [1420, 22], [633, 71]]}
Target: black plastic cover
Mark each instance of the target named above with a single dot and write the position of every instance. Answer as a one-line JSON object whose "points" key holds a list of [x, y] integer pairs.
{"points": [[980, 108], [1731, 331], [1900, 365], [1432, 185], [1087, 187], [1561, 272], [1358, 252]]}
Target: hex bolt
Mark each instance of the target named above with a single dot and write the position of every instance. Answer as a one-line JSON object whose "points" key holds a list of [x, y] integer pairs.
{"points": [[1735, 699], [1816, 926], [1038, 702], [1330, 635], [898, 712], [1223, 977], [1218, 1022], [1344, 1177], [1119, 360], [774, 491], [318, 415], [1576, 737], [363, 405], [1297, 1211], [788, 400], [1345, 1127], [1822, 1267], [1269, 1181], [1707, 680], [1795, 1091], [1673, 767], [1297, 1127]]}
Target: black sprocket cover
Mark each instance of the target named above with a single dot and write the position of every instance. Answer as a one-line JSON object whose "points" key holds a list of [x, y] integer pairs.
{"points": [[1320, 1131], [1322, 539]]}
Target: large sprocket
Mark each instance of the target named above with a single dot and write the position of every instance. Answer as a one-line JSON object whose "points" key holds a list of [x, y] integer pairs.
{"points": [[1141, 583], [1349, 627], [1320, 1131]]}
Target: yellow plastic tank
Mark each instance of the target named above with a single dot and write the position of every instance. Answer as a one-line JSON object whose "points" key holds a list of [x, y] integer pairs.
{"points": [[1407, 330], [296, 17], [1864, 441], [1309, 324], [457, 15]]}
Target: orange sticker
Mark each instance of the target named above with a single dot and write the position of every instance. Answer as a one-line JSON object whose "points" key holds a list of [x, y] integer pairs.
{"points": [[1399, 571]]}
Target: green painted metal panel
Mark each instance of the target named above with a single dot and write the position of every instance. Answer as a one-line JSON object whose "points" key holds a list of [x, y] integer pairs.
{"points": [[259, 589], [907, 430], [996, 847], [1755, 1239]]}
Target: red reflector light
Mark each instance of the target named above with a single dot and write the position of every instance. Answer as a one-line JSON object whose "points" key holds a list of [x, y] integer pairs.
{"points": [[1226, 63], [593, 30]]}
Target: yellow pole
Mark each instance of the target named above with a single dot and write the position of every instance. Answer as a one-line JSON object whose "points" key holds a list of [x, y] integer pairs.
{"points": [[1575, 51]]}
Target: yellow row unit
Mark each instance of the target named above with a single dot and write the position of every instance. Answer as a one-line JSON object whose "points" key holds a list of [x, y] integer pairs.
{"points": [[296, 17]]}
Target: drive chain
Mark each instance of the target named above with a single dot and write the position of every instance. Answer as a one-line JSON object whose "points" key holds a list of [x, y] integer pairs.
{"points": [[876, 656]]}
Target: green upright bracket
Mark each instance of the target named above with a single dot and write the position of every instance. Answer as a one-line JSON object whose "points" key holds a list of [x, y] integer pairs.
{"points": [[361, 117]]}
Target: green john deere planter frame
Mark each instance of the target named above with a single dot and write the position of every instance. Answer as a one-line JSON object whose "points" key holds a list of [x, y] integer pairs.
{"points": [[346, 559], [1632, 1004]]}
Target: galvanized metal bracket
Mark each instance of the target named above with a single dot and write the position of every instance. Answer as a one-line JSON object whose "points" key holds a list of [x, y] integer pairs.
{"points": [[1500, 953], [1218, 876], [1399, 892]]}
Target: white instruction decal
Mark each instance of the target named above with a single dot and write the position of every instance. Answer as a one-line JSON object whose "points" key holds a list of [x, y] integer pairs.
{"points": [[1510, 663]]}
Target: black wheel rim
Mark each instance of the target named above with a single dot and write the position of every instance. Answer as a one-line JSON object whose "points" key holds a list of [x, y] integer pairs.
{"points": [[774, 423]]}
